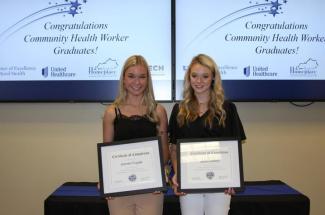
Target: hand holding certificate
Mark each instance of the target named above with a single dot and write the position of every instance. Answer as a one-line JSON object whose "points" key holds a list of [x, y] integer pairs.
{"points": [[209, 165], [131, 167]]}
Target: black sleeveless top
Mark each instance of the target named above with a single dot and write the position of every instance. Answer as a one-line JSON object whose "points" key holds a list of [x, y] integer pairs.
{"points": [[130, 127]]}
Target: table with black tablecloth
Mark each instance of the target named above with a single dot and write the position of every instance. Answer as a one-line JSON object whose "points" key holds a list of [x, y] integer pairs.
{"points": [[258, 198]]}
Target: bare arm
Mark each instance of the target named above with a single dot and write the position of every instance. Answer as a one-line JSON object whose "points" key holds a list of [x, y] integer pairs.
{"points": [[108, 128], [173, 157], [162, 131], [108, 124]]}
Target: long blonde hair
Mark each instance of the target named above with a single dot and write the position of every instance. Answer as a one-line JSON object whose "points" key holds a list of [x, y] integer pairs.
{"points": [[188, 108], [148, 98]]}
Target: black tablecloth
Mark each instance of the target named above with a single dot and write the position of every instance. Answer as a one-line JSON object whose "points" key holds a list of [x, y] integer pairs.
{"points": [[259, 198]]}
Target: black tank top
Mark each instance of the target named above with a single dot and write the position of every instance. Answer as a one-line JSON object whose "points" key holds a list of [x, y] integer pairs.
{"points": [[130, 127]]}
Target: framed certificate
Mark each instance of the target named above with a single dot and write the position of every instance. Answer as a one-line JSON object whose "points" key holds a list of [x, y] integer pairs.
{"points": [[131, 167], [209, 165]]}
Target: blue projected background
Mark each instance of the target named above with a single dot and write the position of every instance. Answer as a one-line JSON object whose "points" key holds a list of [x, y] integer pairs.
{"points": [[62, 50], [265, 49], [73, 50]]}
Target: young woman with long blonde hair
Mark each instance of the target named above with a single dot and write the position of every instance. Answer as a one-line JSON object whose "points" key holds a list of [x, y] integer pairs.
{"points": [[136, 114], [203, 113]]}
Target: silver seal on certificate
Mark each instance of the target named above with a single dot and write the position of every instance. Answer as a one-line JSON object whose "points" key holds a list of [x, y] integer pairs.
{"points": [[132, 177], [210, 175]]}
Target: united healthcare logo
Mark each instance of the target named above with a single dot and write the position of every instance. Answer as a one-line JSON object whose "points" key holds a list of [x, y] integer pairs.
{"points": [[259, 71], [45, 72], [247, 71], [57, 72]]}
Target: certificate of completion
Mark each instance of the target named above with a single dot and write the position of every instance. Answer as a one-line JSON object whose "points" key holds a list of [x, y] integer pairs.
{"points": [[131, 167], [209, 165]]}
